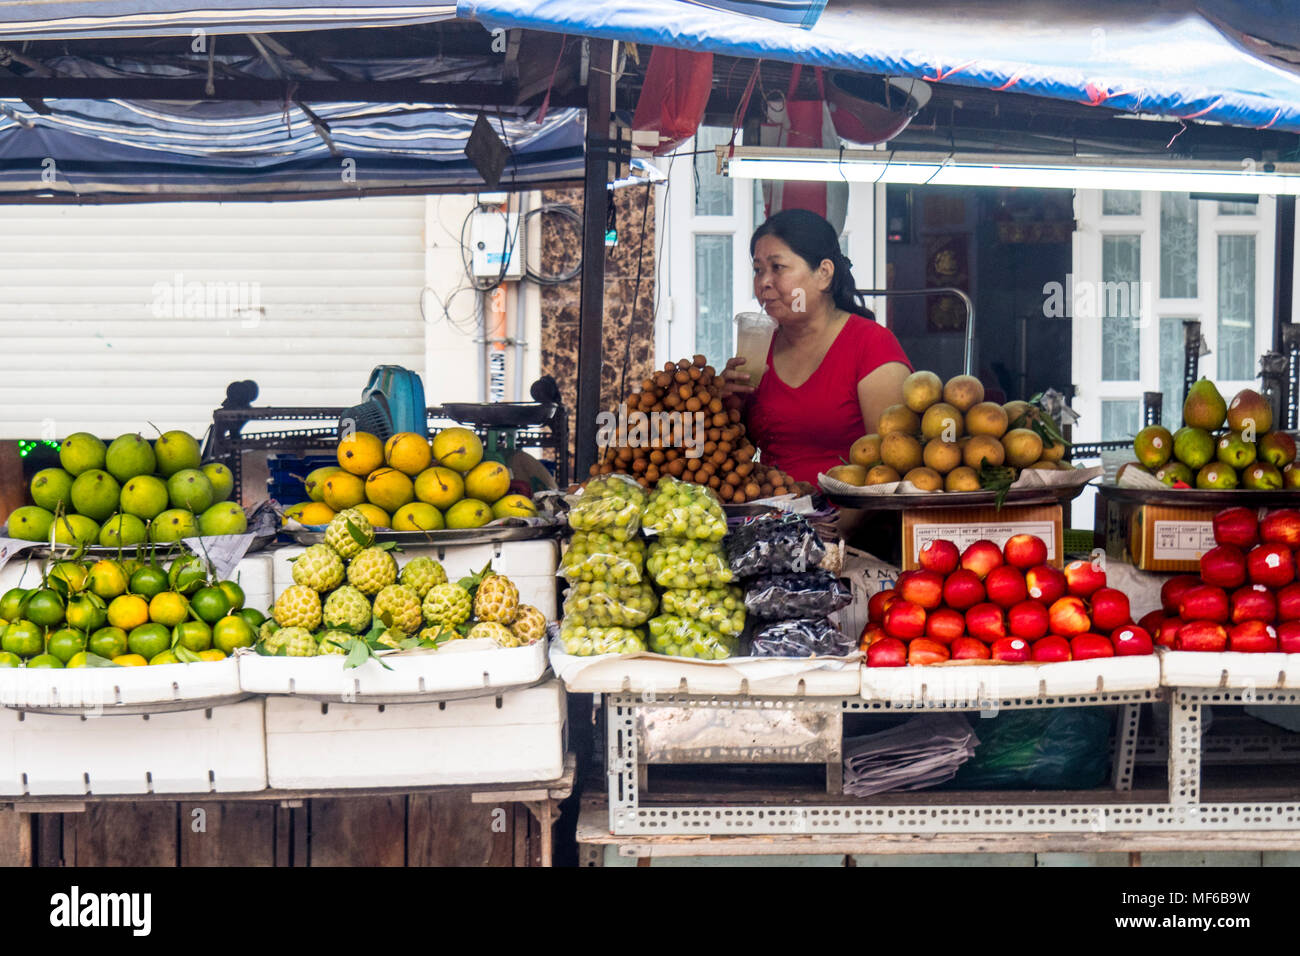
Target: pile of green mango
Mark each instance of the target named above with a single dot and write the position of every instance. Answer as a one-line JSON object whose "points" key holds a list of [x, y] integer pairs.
{"points": [[1222, 445]]}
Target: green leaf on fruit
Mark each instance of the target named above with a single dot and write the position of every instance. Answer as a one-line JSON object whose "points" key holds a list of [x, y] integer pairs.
{"points": [[94, 660], [186, 656], [356, 534]]}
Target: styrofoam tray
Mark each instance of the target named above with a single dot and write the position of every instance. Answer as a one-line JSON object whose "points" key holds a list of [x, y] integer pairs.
{"points": [[752, 676], [516, 737], [977, 684], [531, 565], [121, 690], [459, 667], [1229, 669], [222, 750]]}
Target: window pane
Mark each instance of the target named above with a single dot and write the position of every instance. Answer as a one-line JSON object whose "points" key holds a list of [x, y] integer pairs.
{"points": [[1171, 371], [712, 192], [1121, 202], [1238, 208], [1236, 307], [713, 313], [1120, 306], [1120, 419], [1177, 246]]}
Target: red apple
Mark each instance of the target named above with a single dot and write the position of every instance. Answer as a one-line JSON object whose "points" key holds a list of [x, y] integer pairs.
{"points": [[922, 651], [1051, 649], [1204, 603], [1069, 616], [1288, 603], [1201, 636], [1253, 603], [1005, 586], [905, 620], [1239, 526], [969, 649], [891, 652], [1288, 637], [963, 590], [1171, 593], [1151, 622], [945, 625], [1224, 566], [922, 587], [879, 603], [1271, 565], [981, 557], [1252, 637], [1131, 641], [938, 555], [1010, 649], [871, 634], [1024, 551], [1167, 636], [1083, 577], [1045, 583], [1087, 646], [1028, 619], [1281, 527], [1110, 609], [985, 621]]}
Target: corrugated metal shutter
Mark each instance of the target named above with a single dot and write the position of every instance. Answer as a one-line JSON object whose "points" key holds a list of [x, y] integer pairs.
{"points": [[303, 298]]}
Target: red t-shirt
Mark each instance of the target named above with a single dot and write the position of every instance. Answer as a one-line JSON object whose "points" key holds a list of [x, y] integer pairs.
{"points": [[806, 430]]}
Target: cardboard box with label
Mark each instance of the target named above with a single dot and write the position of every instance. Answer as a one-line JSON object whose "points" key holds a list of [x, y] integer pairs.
{"points": [[1159, 537], [964, 526]]}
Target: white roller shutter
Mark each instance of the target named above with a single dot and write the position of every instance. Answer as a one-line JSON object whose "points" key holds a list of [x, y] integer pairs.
{"points": [[303, 298]]}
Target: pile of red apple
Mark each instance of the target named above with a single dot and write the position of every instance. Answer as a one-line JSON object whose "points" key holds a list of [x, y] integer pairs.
{"points": [[1246, 598], [1002, 604]]}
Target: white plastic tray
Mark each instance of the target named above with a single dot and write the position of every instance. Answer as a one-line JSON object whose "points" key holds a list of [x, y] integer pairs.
{"points": [[976, 684], [222, 750], [1229, 669], [516, 737], [460, 668], [121, 690], [752, 676]]}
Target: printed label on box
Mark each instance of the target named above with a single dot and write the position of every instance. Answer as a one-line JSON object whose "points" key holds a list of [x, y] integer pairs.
{"points": [[1181, 540], [964, 535]]}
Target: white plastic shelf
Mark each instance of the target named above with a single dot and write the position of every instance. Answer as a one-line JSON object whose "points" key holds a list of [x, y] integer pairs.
{"points": [[120, 690], [1230, 669]]}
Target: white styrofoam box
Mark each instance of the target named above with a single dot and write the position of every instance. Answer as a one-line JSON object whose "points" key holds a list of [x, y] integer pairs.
{"points": [[766, 677], [515, 737], [104, 689], [975, 684], [221, 750], [253, 574], [530, 564], [413, 674], [1228, 669], [21, 571]]}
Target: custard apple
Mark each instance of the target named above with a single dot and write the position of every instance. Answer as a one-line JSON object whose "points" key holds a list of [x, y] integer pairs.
{"points": [[529, 624], [347, 608], [497, 599], [372, 570], [333, 641], [319, 568], [420, 574], [275, 637], [298, 642], [494, 631], [447, 604], [338, 537], [297, 606], [402, 607], [440, 633]]}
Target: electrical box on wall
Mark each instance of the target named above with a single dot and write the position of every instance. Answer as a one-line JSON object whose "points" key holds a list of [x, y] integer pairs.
{"points": [[495, 239]]}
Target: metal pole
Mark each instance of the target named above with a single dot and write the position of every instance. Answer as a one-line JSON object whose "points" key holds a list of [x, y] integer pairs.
{"points": [[595, 208], [937, 290], [1283, 292]]}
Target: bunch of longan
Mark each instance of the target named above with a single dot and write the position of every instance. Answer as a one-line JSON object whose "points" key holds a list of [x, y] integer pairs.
{"points": [[725, 462]]}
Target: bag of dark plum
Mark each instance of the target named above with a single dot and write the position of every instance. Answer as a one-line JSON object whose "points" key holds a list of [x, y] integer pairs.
{"points": [[774, 544]]}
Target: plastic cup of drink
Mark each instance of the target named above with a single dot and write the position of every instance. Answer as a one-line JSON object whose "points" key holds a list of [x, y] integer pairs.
{"points": [[754, 332]]}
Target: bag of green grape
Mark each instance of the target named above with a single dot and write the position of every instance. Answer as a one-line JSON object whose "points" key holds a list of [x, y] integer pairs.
{"points": [[582, 641], [685, 637], [683, 563], [596, 556], [720, 609], [599, 604], [612, 504], [683, 509]]}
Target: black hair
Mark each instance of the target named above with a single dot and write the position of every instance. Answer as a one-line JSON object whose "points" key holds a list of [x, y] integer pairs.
{"points": [[813, 239]]}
